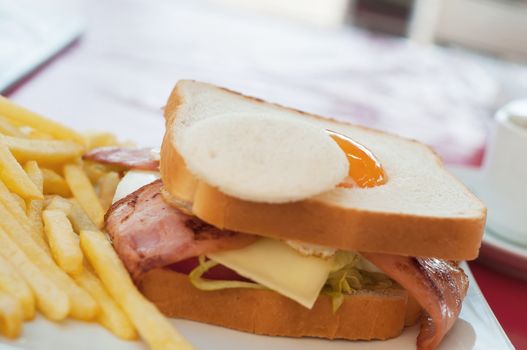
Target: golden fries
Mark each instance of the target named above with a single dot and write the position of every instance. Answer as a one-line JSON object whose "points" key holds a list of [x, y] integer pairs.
{"points": [[15, 177], [112, 316], [45, 151], [33, 171], [15, 204], [11, 203], [153, 327], [34, 207], [42, 259], [16, 286], [84, 193], [55, 184], [6, 128], [51, 300], [82, 304], [79, 218], [39, 135], [19, 200], [75, 213], [11, 316], [94, 171], [63, 242], [107, 185], [59, 203], [21, 116]]}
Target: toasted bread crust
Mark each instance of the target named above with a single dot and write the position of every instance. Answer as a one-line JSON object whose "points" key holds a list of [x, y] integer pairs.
{"points": [[365, 316], [319, 222]]}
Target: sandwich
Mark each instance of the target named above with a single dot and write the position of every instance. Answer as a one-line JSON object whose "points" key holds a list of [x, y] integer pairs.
{"points": [[268, 220]]}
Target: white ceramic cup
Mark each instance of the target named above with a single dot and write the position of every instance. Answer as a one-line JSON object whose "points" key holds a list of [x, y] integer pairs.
{"points": [[504, 180]]}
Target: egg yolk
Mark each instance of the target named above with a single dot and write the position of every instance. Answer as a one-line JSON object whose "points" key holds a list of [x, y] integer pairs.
{"points": [[365, 170]]}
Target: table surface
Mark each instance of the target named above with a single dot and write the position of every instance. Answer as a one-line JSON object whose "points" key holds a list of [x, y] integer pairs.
{"points": [[132, 53]]}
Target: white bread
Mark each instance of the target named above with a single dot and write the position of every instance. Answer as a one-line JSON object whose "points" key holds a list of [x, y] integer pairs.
{"points": [[421, 211], [364, 315], [274, 157]]}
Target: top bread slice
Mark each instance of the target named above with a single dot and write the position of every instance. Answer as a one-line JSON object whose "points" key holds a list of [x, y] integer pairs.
{"points": [[422, 210]]}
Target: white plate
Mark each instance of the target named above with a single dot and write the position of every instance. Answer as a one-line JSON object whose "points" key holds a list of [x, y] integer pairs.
{"points": [[496, 251], [477, 327]]}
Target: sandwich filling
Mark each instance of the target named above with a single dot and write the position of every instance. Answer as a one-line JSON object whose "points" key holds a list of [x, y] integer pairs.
{"points": [[149, 233]]}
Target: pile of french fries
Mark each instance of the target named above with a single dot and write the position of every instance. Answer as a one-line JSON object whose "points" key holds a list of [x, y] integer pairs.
{"points": [[54, 256]]}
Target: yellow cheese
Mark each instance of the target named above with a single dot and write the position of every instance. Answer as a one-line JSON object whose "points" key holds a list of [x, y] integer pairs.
{"points": [[279, 267]]}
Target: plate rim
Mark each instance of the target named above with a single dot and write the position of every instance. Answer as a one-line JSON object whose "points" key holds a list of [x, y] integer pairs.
{"points": [[468, 176]]}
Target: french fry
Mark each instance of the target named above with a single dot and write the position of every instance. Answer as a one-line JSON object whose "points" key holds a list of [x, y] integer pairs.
{"points": [[83, 306], [51, 300], [14, 204], [59, 203], [11, 203], [15, 178], [63, 242], [112, 316], [153, 327], [55, 184], [39, 135], [44, 151], [99, 139], [94, 170], [79, 218], [35, 174], [84, 193], [35, 206], [29, 132], [11, 316], [6, 128], [13, 284], [22, 116], [19, 200], [107, 185]]}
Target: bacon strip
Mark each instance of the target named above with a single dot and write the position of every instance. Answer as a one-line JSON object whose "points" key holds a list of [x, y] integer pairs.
{"points": [[438, 285], [148, 233], [128, 158]]}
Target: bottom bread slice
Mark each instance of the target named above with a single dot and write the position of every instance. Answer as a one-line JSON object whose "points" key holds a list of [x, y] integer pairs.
{"points": [[362, 315]]}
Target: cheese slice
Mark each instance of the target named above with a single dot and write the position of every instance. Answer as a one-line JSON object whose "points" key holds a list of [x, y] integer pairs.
{"points": [[279, 267], [132, 181]]}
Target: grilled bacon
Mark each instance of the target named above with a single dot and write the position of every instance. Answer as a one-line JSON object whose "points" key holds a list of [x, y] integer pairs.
{"points": [[127, 158], [439, 286], [148, 233]]}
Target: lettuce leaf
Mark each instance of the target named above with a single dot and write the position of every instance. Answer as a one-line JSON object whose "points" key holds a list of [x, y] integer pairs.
{"points": [[347, 278], [207, 284]]}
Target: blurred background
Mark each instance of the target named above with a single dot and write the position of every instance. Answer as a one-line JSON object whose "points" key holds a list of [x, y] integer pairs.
{"points": [[427, 69], [433, 70]]}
